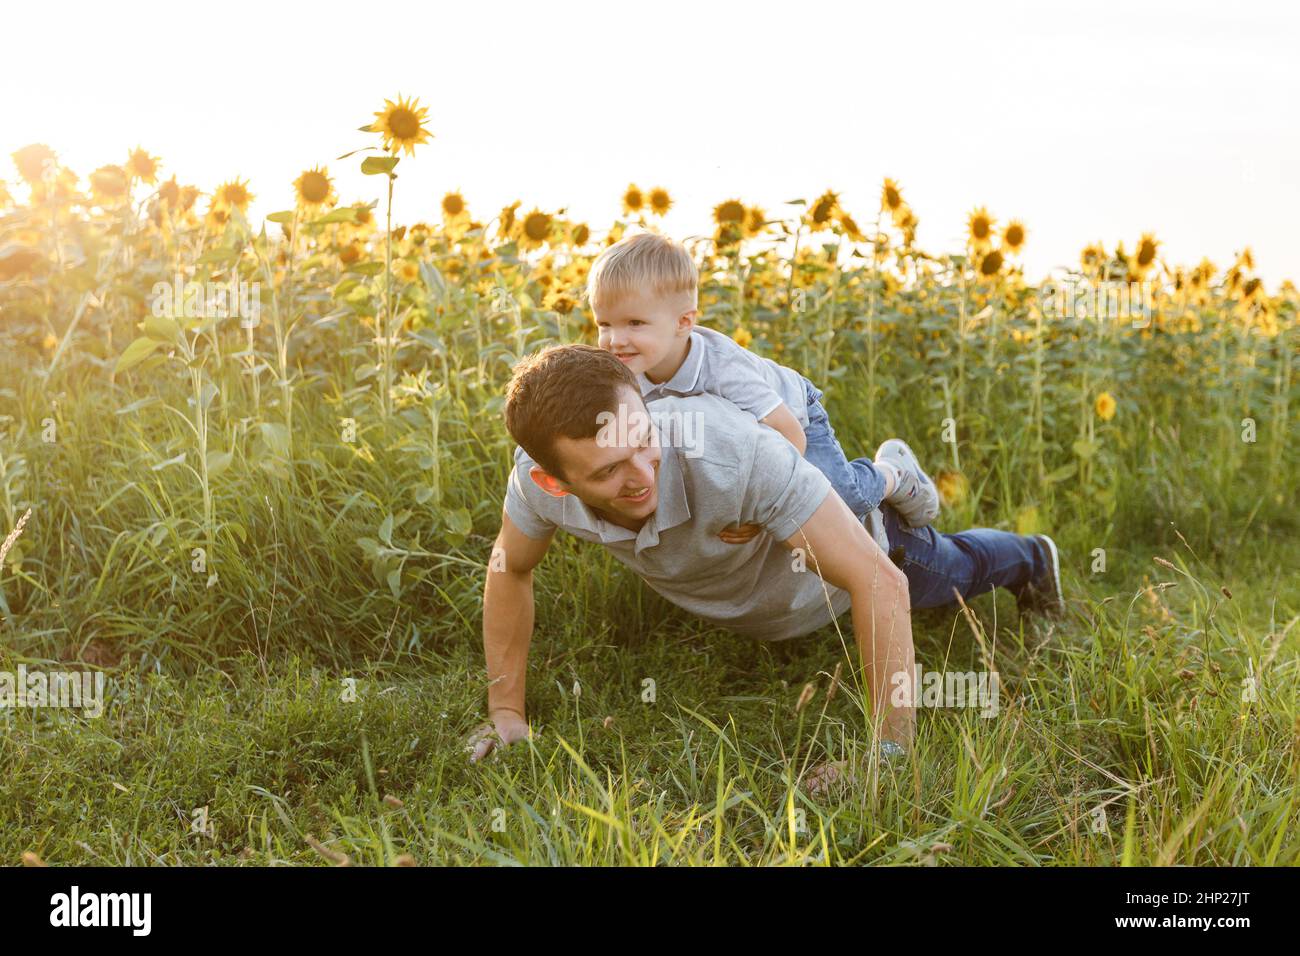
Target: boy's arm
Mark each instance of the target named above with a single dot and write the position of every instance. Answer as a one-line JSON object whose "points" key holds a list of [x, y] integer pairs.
{"points": [[841, 550], [507, 631], [783, 420]]}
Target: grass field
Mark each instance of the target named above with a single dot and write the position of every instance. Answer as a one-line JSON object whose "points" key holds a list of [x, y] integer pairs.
{"points": [[271, 537]]}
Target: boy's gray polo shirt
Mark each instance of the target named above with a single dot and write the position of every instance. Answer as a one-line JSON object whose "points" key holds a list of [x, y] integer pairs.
{"points": [[720, 366], [736, 472]]}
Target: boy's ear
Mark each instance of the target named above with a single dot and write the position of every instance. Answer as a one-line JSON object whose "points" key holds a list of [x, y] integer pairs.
{"points": [[686, 321], [547, 482]]}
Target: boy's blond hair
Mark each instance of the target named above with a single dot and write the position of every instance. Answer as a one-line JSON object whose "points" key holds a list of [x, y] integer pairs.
{"points": [[645, 262]]}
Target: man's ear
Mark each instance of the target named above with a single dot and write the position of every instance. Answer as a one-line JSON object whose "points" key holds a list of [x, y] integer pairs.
{"points": [[547, 482]]}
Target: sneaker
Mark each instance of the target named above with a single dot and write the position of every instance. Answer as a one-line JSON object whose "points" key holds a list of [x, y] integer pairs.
{"points": [[891, 751], [915, 497], [1044, 595]]}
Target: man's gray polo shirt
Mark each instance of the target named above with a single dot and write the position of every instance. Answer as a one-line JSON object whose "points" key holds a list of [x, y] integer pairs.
{"points": [[720, 366], [735, 472]]}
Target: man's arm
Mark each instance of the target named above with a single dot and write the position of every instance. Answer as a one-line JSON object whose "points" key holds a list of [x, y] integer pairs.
{"points": [[783, 420], [841, 550], [507, 631]]}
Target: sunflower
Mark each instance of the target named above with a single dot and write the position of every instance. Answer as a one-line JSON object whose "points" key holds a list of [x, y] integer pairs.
{"points": [[140, 165], [755, 222], [742, 337], [660, 201], [880, 247], [906, 220], [109, 182], [217, 217], [728, 234], [1092, 256], [233, 195], [823, 209], [633, 199], [401, 125], [579, 234], [980, 226], [453, 206], [407, 270], [349, 253], [891, 197], [536, 229], [1146, 252], [560, 301], [189, 196], [952, 487], [507, 221], [991, 264], [314, 188], [169, 193], [1104, 406], [33, 161], [1246, 259], [729, 213], [850, 227], [1013, 237]]}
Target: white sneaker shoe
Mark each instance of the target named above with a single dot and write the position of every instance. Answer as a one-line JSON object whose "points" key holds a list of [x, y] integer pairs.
{"points": [[915, 497]]}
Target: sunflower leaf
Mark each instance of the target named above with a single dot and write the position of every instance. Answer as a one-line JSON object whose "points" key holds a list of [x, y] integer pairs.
{"points": [[343, 214], [135, 353], [377, 165]]}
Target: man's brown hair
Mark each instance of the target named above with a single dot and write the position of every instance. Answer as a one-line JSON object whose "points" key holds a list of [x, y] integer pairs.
{"points": [[562, 390]]}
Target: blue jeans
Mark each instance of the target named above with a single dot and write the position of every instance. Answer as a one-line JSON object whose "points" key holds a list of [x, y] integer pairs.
{"points": [[969, 562], [857, 482]]}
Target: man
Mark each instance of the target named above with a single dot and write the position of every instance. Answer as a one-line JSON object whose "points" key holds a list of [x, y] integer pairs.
{"points": [[590, 462]]}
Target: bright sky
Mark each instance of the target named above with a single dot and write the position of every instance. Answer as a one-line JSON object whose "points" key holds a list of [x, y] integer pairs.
{"points": [[1091, 120]]}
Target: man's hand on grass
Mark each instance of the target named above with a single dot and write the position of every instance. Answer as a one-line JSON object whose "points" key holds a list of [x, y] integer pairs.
{"points": [[506, 727], [739, 534], [828, 777]]}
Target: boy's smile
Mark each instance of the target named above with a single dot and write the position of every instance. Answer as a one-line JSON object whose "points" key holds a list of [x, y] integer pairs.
{"points": [[648, 333]]}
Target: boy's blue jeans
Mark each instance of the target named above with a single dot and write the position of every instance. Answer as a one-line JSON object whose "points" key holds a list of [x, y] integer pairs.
{"points": [[857, 482], [936, 564]]}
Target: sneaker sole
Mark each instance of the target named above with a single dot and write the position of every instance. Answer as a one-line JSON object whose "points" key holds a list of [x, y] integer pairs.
{"points": [[1056, 606]]}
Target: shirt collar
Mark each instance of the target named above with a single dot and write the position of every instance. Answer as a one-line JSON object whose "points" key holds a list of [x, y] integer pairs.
{"points": [[684, 380]]}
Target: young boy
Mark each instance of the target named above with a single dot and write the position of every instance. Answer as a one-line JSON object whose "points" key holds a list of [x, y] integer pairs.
{"points": [[643, 291]]}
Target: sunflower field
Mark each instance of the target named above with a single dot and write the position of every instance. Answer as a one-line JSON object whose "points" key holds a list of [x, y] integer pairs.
{"points": [[251, 472]]}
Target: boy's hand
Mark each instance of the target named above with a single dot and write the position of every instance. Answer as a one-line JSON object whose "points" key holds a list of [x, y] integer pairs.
{"points": [[739, 534], [506, 727]]}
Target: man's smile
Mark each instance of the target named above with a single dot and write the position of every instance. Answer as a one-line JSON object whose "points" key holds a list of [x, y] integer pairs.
{"points": [[638, 496]]}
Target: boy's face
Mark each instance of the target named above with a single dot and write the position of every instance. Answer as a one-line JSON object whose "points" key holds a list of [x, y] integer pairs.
{"points": [[647, 332], [616, 472]]}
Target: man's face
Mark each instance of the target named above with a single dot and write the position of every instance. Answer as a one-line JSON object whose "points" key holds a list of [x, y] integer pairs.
{"points": [[616, 472], [646, 331]]}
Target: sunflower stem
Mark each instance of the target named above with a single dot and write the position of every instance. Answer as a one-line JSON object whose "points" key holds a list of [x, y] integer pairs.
{"points": [[386, 333]]}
